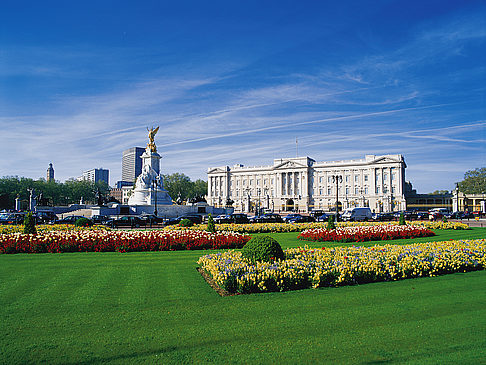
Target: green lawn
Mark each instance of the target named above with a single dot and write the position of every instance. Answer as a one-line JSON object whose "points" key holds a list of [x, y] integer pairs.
{"points": [[154, 307]]}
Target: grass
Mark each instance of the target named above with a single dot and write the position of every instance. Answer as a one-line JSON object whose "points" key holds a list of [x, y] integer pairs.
{"points": [[154, 307]]}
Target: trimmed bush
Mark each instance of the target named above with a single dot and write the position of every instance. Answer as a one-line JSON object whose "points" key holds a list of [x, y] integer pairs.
{"points": [[330, 223], [83, 222], [262, 248], [29, 224], [186, 223], [401, 221], [211, 227]]}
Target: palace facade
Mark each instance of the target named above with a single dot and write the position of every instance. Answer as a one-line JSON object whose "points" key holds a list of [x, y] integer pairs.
{"points": [[302, 184]]}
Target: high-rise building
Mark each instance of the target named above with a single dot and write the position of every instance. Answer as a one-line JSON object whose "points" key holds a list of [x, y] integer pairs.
{"points": [[96, 175], [132, 164], [50, 173]]}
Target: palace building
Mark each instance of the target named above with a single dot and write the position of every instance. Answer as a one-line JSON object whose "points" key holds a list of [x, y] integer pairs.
{"points": [[302, 184]]}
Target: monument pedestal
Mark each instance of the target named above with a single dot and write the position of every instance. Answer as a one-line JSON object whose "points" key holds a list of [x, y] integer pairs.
{"points": [[149, 189]]}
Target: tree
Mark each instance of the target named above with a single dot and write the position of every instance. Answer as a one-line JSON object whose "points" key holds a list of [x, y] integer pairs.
{"points": [[474, 181], [200, 188], [179, 184], [439, 192], [54, 193]]}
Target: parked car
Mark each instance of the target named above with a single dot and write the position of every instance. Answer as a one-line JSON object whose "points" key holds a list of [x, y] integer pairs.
{"points": [[322, 218], [44, 217], [422, 215], [151, 219], [289, 217], [126, 221], [316, 213], [69, 220], [269, 218], [222, 218], [99, 219], [300, 219], [12, 218], [382, 217], [238, 218], [194, 218], [357, 214]]}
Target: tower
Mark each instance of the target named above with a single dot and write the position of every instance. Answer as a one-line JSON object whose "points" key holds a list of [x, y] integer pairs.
{"points": [[50, 173], [132, 164]]}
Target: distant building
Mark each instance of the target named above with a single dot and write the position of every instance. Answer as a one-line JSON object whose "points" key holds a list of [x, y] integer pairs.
{"points": [[122, 184], [96, 175], [50, 173], [117, 193], [131, 164], [425, 202], [303, 184], [468, 202]]}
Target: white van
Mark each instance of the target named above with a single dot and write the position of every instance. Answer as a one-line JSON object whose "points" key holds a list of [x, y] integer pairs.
{"points": [[356, 214]]}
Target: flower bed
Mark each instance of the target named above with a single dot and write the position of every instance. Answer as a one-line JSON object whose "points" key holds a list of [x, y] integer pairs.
{"points": [[365, 233], [122, 241], [43, 228], [299, 227], [305, 268]]}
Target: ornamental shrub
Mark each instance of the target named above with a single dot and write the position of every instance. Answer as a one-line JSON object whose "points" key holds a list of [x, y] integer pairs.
{"points": [[29, 224], [83, 222], [401, 221], [330, 223], [262, 248], [444, 219], [186, 223], [211, 228]]}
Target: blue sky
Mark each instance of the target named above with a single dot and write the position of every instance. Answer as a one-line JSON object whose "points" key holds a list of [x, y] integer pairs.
{"points": [[238, 81]]}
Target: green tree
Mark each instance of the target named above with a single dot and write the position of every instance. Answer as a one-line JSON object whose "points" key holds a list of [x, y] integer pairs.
{"points": [[179, 183], [54, 193], [439, 192], [200, 188], [474, 181]]}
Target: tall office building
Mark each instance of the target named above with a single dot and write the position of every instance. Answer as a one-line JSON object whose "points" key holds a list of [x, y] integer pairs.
{"points": [[96, 175], [50, 173], [132, 164]]}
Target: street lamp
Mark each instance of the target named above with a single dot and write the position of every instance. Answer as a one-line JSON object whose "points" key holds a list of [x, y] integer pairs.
{"points": [[337, 179]]}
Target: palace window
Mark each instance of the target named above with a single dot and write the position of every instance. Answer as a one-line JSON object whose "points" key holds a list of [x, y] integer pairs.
{"points": [[377, 190], [329, 191], [365, 177]]}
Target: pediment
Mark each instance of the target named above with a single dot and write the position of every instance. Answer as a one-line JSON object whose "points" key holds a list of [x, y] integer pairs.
{"points": [[289, 164], [216, 170], [386, 160]]}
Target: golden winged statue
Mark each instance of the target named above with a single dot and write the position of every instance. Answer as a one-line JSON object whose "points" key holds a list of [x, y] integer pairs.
{"points": [[151, 136]]}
